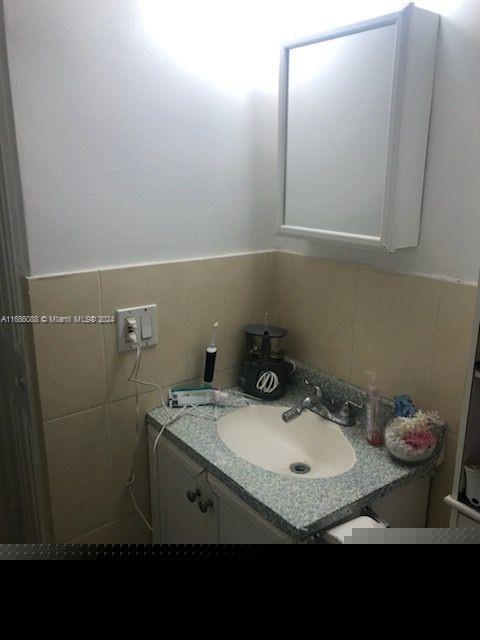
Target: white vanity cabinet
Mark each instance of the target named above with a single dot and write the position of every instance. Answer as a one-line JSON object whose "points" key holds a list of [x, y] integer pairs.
{"points": [[406, 506], [239, 524], [177, 518], [192, 507]]}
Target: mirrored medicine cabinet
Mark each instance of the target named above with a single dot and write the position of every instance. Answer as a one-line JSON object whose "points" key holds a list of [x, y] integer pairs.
{"points": [[354, 111]]}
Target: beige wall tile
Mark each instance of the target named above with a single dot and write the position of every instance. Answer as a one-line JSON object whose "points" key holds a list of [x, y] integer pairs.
{"points": [[394, 331], [391, 383], [80, 472], [457, 308], [451, 352], [410, 301], [439, 512], [222, 379], [314, 300], [332, 314], [445, 394], [122, 430], [235, 291], [301, 286], [387, 302], [70, 357], [228, 378], [329, 348], [292, 302], [453, 341], [283, 289], [164, 285], [127, 530], [402, 360]]}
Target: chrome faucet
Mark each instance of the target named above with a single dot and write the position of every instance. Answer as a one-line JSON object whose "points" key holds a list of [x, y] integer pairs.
{"points": [[344, 416], [310, 402]]}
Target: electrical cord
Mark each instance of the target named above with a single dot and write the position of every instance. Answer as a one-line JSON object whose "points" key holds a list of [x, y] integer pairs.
{"points": [[139, 427], [133, 377], [182, 413]]}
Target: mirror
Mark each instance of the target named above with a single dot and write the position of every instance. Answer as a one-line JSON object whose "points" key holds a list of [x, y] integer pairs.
{"points": [[337, 136], [342, 126]]}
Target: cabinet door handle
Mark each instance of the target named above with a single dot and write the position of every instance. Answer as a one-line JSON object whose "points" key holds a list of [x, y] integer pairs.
{"points": [[193, 495], [204, 505]]}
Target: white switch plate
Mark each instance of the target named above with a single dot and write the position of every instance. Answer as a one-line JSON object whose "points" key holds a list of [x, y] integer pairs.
{"points": [[121, 315]]}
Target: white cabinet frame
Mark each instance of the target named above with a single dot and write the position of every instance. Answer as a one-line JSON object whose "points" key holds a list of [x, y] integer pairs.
{"points": [[414, 66]]}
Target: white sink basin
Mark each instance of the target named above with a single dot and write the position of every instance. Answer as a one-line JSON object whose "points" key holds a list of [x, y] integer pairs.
{"points": [[259, 435]]}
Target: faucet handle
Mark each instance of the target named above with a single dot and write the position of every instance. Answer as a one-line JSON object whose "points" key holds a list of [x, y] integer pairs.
{"points": [[318, 391], [348, 404], [347, 413]]}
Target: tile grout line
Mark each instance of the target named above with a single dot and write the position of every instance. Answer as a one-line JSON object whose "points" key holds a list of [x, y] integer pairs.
{"points": [[139, 265], [186, 342], [383, 269], [355, 298], [436, 328], [123, 398], [104, 346], [274, 289], [274, 252], [110, 456], [440, 296]]}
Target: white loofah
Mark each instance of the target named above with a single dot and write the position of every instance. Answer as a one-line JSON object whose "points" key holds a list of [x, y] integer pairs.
{"points": [[401, 427]]}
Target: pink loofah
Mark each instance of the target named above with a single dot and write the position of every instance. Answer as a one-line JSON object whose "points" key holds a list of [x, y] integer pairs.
{"points": [[420, 439]]}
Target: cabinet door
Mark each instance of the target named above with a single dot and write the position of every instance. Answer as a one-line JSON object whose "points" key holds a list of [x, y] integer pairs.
{"points": [[238, 523], [406, 506], [182, 521]]}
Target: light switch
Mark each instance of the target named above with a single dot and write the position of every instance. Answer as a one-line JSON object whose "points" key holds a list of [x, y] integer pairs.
{"points": [[147, 331]]}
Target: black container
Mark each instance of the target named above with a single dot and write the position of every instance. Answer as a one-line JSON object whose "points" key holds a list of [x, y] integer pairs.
{"points": [[265, 372]]}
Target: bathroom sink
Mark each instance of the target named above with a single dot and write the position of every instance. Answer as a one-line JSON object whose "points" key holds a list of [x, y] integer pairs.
{"points": [[307, 447]]}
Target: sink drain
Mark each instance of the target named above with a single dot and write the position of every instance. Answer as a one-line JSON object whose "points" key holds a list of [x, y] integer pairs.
{"points": [[299, 467]]}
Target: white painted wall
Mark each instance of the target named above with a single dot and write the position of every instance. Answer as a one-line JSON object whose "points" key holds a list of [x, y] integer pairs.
{"points": [[127, 157], [147, 129]]}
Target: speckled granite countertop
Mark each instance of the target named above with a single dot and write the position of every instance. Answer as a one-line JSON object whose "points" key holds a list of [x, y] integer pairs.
{"points": [[301, 507]]}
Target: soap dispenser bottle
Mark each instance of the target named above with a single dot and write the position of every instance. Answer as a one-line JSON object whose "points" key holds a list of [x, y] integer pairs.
{"points": [[375, 435]]}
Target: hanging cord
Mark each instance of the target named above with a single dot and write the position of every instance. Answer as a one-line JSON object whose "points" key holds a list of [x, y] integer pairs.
{"points": [[184, 412], [133, 377]]}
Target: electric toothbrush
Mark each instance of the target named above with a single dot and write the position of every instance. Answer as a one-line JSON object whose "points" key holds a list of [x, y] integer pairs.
{"points": [[210, 356]]}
